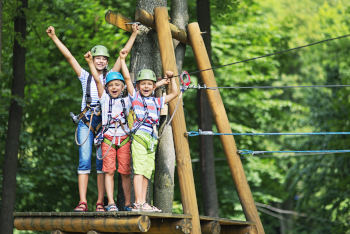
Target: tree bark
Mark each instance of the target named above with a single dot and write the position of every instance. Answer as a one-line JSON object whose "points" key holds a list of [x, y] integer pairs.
{"points": [[207, 163], [14, 122], [145, 54]]}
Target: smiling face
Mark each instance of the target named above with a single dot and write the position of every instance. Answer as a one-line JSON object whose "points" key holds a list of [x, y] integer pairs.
{"points": [[146, 87], [115, 87], [100, 62]]}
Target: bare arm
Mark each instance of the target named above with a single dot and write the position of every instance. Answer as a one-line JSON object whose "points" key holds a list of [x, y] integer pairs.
{"points": [[66, 53], [127, 47], [125, 72], [94, 73], [162, 81], [174, 91]]}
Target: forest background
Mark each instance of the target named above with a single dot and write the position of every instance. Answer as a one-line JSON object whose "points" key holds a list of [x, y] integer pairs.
{"points": [[294, 193]]}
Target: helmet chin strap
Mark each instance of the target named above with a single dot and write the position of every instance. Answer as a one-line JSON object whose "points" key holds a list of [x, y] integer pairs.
{"points": [[119, 96]]}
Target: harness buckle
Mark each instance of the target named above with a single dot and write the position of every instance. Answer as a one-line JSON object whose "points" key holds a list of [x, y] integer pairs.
{"points": [[75, 118]]}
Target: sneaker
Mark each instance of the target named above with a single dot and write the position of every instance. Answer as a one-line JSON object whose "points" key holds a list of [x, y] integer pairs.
{"points": [[148, 208], [136, 207]]}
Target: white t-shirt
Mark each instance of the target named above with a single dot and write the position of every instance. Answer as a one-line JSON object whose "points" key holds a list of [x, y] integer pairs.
{"points": [[116, 107], [93, 88]]}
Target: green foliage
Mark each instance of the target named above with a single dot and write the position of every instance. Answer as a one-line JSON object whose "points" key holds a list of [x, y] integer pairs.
{"points": [[48, 158], [317, 187], [314, 186]]}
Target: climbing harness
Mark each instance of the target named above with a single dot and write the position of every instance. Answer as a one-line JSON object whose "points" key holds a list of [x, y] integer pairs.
{"points": [[146, 121], [95, 110], [110, 122]]}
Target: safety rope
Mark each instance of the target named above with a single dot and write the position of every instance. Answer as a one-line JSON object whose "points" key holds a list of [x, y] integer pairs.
{"points": [[90, 129], [172, 116], [110, 146], [252, 152], [211, 133], [271, 54], [267, 87]]}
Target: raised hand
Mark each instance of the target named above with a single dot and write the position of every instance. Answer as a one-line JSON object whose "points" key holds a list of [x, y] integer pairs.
{"points": [[50, 31], [88, 57], [123, 53], [135, 27]]}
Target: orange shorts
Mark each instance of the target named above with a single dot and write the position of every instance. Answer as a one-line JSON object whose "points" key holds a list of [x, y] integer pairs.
{"points": [[122, 154]]}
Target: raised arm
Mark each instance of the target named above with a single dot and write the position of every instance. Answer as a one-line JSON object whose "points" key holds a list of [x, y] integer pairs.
{"points": [[125, 71], [162, 81], [66, 53], [127, 47], [174, 91], [88, 58]]}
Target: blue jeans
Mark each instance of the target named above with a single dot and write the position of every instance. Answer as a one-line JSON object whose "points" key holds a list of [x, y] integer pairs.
{"points": [[85, 150]]}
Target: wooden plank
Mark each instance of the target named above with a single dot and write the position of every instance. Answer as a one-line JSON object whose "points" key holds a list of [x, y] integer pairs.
{"points": [[183, 158], [223, 126], [101, 214]]}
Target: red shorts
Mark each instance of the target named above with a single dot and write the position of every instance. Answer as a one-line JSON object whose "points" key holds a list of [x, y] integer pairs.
{"points": [[122, 154]]}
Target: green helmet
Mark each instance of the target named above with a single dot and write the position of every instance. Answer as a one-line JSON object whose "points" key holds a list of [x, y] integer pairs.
{"points": [[146, 74], [99, 50]]}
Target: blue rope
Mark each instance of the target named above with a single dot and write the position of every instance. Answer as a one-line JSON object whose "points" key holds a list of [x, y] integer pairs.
{"points": [[252, 152], [210, 133]]}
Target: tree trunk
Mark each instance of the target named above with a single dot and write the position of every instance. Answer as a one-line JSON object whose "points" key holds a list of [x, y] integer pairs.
{"points": [[206, 153], [145, 54], [14, 123]]}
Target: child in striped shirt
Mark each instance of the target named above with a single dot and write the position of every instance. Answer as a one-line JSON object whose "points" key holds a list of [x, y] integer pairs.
{"points": [[147, 110]]}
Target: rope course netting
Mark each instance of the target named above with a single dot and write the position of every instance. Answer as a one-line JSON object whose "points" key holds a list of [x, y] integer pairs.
{"points": [[186, 80]]}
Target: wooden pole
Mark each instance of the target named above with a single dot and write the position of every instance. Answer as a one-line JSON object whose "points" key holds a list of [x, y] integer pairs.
{"points": [[223, 126], [183, 158], [147, 19]]}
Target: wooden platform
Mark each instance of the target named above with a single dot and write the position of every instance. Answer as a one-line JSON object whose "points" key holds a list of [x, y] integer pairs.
{"points": [[124, 222]]}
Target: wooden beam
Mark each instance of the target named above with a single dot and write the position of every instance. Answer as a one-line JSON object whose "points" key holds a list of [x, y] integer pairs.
{"points": [[183, 158], [223, 126], [147, 19], [212, 227], [84, 224], [182, 226], [118, 20], [226, 229]]}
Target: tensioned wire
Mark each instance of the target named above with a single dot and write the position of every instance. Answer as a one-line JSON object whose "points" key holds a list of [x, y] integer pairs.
{"points": [[272, 54], [210, 133], [252, 152], [268, 55], [268, 87]]}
